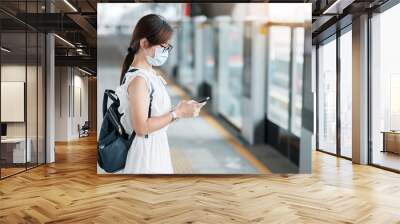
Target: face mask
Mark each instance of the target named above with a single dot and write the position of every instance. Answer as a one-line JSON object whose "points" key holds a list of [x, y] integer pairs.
{"points": [[160, 56]]}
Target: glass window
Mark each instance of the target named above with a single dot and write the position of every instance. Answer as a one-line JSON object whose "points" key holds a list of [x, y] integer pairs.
{"points": [[231, 73], [22, 92], [327, 96], [186, 55], [209, 59], [385, 89], [346, 94], [297, 80], [41, 86], [278, 78], [15, 150], [31, 97]]}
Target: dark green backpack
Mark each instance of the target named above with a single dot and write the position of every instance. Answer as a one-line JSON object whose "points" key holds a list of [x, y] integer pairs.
{"points": [[114, 142]]}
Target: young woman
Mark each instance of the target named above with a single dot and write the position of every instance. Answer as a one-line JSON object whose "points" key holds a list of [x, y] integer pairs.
{"points": [[149, 152]]}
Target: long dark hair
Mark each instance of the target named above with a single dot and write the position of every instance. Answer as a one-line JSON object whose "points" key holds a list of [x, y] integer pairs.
{"points": [[152, 27]]}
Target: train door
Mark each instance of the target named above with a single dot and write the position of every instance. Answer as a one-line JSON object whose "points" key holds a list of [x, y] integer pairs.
{"points": [[230, 71], [199, 45], [208, 58], [186, 54], [283, 101]]}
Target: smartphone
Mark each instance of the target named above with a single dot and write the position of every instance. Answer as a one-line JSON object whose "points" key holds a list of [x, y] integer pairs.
{"points": [[204, 99]]}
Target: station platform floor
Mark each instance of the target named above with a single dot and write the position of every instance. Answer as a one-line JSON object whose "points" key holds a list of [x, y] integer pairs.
{"points": [[203, 145], [200, 145]]}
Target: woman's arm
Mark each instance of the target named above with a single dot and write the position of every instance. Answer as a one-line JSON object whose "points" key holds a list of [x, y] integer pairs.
{"points": [[140, 100]]}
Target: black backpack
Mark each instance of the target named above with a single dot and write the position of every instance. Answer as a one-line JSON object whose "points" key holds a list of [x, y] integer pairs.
{"points": [[114, 142]]}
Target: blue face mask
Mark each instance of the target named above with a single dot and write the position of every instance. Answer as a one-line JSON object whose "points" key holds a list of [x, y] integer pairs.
{"points": [[160, 56]]}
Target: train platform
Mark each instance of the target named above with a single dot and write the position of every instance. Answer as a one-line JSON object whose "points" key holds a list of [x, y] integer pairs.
{"points": [[205, 145]]}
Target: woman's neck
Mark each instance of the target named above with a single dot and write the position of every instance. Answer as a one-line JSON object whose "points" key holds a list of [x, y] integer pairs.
{"points": [[140, 62]]}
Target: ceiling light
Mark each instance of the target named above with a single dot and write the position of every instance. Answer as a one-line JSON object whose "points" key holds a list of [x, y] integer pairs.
{"points": [[84, 71], [333, 6], [70, 5], [5, 50], [337, 7], [65, 41]]}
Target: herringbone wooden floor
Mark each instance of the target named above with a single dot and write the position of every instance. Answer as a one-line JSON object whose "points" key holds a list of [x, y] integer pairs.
{"points": [[70, 191]]}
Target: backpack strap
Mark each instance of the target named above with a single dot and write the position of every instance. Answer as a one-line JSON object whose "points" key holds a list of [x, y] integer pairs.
{"points": [[130, 70], [151, 101], [108, 93]]}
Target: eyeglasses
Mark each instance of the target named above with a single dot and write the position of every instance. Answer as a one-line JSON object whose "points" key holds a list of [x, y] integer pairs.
{"points": [[167, 48]]}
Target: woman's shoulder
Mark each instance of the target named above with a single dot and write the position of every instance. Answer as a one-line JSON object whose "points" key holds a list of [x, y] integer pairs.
{"points": [[130, 78], [134, 72]]}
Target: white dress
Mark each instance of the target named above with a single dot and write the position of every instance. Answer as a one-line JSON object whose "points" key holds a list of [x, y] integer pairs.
{"points": [[147, 155]]}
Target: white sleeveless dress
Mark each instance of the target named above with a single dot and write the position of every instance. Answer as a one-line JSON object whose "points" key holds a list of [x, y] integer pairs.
{"points": [[147, 155]]}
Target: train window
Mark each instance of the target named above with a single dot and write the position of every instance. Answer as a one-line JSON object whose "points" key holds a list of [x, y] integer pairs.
{"points": [[186, 65], [278, 75], [231, 73], [297, 80], [247, 60], [209, 54]]}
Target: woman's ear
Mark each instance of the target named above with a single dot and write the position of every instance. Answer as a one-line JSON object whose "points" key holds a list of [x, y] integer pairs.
{"points": [[144, 43]]}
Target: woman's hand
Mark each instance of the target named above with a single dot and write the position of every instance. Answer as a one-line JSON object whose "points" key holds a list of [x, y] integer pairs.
{"points": [[189, 108]]}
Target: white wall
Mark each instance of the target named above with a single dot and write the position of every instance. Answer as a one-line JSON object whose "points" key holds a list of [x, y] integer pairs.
{"points": [[61, 103], [68, 80], [33, 125], [15, 72], [80, 118]]}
